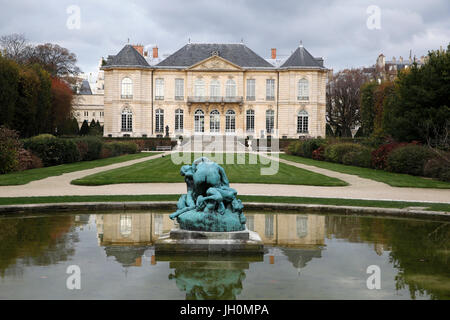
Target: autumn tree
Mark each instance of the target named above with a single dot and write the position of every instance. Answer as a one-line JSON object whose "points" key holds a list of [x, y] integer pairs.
{"points": [[343, 100], [9, 84], [61, 107]]}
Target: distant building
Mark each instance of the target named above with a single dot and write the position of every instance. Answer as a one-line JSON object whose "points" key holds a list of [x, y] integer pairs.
{"points": [[388, 70]]}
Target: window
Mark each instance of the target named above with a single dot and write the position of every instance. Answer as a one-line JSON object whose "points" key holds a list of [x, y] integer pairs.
{"points": [[250, 222], [102, 114], [127, 89], [230, 121], [303, 89], [126, 225], [268, 230], [214, 88], [251, 89], [302, 122], [159, 123], [302, 226], [179, 89], [93, 114], [159, 89], [214, 121], [199, 88], [199, 121], [86, 113], [230, 89], [250, 121], [179, 125], [127, 120], [270, 119], [270, 89]]}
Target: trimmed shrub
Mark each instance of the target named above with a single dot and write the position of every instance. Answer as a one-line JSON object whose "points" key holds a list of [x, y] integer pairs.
{"points": [[28, 160], [9, 150], [319, 153], [310, 145], [113, 149], [89, 148], [380, 155], [335, 152], [436, 168], [53, 151], [445, 175], [361, 158], [409, 159]]}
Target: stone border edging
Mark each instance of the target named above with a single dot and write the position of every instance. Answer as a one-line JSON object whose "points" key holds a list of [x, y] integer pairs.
{"points": [[171, 205]]}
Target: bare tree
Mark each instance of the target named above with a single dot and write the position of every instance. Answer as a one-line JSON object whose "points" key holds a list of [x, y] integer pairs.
{"points": [[58, 61], [343, 100], [15, 47]]}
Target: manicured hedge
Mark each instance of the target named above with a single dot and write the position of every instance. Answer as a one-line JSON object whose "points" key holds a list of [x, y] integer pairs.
{"points": [[53, 151], [409, 159]]}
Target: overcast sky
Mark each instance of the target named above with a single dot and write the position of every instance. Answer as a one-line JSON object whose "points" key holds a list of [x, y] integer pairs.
{"points": [[336, 30]]}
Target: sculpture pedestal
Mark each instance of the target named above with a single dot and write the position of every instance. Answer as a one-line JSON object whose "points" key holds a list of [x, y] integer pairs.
{"points": [[186, 241]]}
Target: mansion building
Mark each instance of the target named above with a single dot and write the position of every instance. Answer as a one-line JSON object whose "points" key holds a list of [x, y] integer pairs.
{"points": [[209, 89]]}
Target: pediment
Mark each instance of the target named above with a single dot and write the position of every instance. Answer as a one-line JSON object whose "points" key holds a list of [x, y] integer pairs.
{"points": [[215, 63]]}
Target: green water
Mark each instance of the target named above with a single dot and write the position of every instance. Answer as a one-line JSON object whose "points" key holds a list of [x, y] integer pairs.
{"points": [[308, 256]]}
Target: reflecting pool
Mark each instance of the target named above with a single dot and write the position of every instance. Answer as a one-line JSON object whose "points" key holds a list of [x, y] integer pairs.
{"points": [[307, 256]]}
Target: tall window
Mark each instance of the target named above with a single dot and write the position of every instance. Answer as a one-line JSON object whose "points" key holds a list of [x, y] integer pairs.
{"points": [[179, 121], [179, 89], [127, 120], [250, 121], [302, 226], [126, 224], [159, 89], [268, 230], [230, 121], [230, 91], [270, 89], [199, 88], [303, 89], [159, 120], [270, 120], [251, 89], [302, 122], [127, 89], [214, 88], [199, 121], [214, 121]]}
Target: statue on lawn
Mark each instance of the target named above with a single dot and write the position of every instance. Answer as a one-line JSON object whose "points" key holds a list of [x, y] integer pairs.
{"points": [[210, 204]]}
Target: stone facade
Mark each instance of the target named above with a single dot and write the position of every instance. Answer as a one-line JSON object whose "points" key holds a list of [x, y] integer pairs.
{"points": [[293, 116]]}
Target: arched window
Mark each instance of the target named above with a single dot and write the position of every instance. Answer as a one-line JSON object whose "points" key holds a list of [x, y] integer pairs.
{"points": [[230, 121], [127, 88], [303, 89], [127, 120], [270, 120], [199, 88], [159, 120], [230, 91], [179, 121], [250, 121], [214, 121], [302, 122], [214, 89], [199, 121], [126, 225], [302, 226]]}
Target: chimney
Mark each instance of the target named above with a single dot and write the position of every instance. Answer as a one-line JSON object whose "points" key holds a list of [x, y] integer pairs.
{"points": [[274, 53], [155, 52], [139, 48]]}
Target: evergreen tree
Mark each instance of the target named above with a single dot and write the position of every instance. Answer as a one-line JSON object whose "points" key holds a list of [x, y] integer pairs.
{"points": [[84, 130], [9, 84], [368, 107]]}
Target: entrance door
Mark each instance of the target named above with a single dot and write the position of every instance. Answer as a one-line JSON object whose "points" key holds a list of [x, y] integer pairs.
{"points": [[199, 121]]}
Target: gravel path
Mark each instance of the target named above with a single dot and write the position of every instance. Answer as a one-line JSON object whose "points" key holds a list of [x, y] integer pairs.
{"points": [[359, 188]]}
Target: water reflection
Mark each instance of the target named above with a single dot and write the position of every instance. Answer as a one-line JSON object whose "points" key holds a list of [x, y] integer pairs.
{"points": [[416, 250]]}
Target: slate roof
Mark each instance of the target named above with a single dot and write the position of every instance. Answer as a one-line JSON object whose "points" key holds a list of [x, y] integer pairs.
{"points": [[127, 57], [193, 53], [302, 58], [85, 88]]}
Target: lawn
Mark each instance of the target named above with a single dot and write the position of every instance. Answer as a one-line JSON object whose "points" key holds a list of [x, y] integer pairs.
{"points": [[390, 178], [164, 170], [171, 197], [23, 177]]}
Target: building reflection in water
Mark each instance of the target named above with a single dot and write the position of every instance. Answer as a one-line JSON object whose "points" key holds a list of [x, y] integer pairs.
{"points": [[129, 236]]}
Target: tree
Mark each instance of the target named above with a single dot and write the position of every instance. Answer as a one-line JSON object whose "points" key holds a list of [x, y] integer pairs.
{"points": [[26, 105], [419, 108], [61, 108], [58, 61], [368, 107], [84, 130], [15, 47], [44, 100], [343, 100], [9, 84]]}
